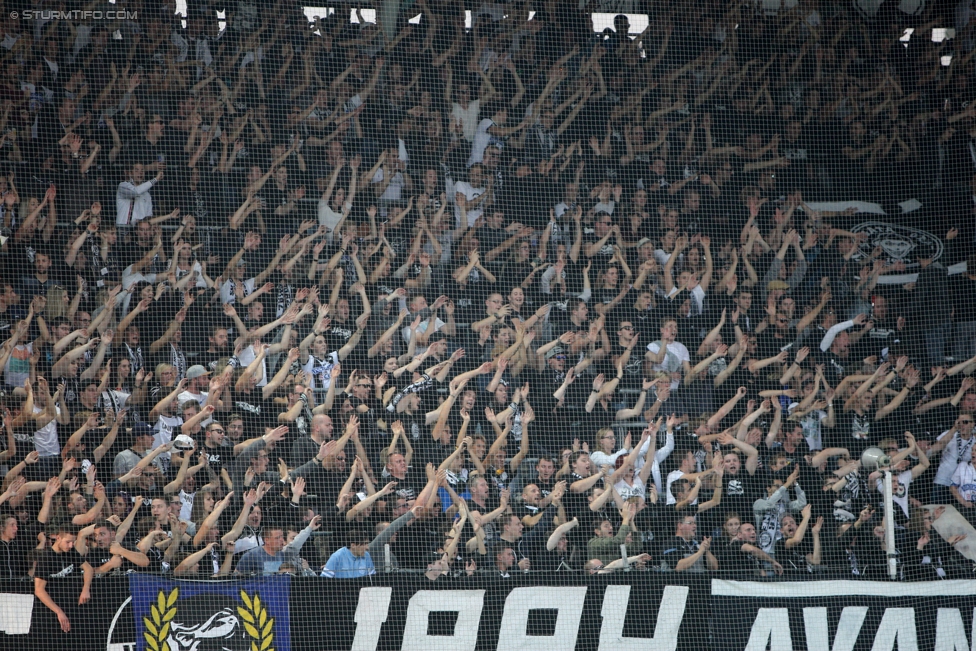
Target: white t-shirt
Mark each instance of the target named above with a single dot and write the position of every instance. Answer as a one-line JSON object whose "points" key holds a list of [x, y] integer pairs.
{"points": [[697, 295], [321, 370], [964, 479], [470, 193], [227, 290], [481, 141], [187, 396], [674, 359], [603, 459], [247, 356], [674, 476], [330, 218], [660, 456], [165, 429], [812, 432], [900, 484], [421, 329], [467, 117], [627, 491], [186, 505], [393, 191], [46, 439]]}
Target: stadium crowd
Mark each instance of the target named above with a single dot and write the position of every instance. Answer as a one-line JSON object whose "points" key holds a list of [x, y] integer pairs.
{"points": [[329, 298]]}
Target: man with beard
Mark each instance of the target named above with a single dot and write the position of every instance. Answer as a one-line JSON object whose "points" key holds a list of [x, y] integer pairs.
{"points": [[794, 552], [326, 472], [306, 447], [219, 348]]}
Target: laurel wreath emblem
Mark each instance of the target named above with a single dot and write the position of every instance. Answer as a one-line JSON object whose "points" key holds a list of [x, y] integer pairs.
{"points": [[258, 625], [157, 624]]}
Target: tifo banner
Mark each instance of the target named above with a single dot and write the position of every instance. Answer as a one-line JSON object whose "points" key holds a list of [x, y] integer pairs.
{"points": [[848, 615], [898, 243], [624, 612], [191, 616]]}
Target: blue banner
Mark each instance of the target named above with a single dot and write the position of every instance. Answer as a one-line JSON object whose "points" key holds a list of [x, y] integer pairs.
{"points": [[211, 616]]}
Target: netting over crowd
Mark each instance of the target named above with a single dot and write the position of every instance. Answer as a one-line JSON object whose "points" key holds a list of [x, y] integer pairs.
{"points": [[334, 297]]}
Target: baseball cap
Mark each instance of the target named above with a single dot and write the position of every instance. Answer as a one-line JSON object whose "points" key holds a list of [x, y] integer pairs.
{"points": [[642, 241], [196, 371], [555, 350], [142, 429]]}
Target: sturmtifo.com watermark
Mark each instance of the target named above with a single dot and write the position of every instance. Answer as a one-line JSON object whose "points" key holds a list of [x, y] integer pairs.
{"points": [[74, 14]]}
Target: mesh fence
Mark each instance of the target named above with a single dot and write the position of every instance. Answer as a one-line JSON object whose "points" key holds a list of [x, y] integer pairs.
{"points": [[514, 325]]}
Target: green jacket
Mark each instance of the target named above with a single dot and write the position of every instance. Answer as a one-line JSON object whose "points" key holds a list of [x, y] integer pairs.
{"points": [[608, 549]]}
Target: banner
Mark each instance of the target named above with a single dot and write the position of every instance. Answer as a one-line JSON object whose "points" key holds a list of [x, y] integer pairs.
{"points": [[196, 616], [843, 615], [640, 611], [898, 243]]}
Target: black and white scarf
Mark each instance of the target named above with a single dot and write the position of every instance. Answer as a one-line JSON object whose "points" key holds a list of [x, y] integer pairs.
{"points": [[135, 357], [286, 294], [178, 360]]}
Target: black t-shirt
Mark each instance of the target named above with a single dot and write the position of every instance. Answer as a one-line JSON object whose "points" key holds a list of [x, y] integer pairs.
{"points": [[854, 431], [739, 493], [834, 367], [218, 456], [256, 412], [98, 557], [769, 345], [52, 565], [794, 560], [409, 487], [606, 251], [415, 543], [141, 150], [731, 558], [633, 369], [13, 555], [576, 504], [338, 334], [431, 451]]}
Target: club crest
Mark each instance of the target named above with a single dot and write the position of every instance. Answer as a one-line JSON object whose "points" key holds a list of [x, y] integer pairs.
{"points": [[210, 622], [897, 243]]}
